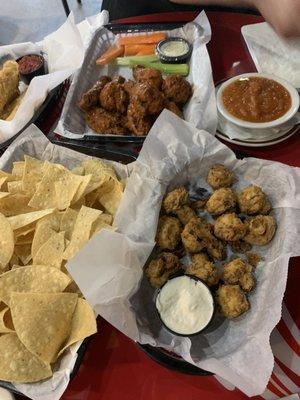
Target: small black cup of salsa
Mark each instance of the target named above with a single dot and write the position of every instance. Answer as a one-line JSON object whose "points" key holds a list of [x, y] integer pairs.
{"points": [[31, 65]]}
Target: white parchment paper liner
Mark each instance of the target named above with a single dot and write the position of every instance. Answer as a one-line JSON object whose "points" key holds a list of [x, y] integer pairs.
{"points": [[176, 153], [200, 110], [64, 51], [32, 142], [272, 54]]}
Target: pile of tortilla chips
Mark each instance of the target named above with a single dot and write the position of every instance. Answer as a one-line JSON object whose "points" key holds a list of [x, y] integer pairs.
{"points": [[47, 213]]}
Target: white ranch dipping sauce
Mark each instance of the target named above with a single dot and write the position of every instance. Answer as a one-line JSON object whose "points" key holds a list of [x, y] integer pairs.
{"points": [[185, 305], [174, 48]]}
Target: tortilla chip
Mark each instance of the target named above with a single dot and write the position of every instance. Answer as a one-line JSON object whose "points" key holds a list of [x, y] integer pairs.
{"points": [[79, 170], [83, 324], [82, 230], [3, 179], [100, 171], [43, 321], [15, 187], [82, 188], [7, 241], [56, 189], [5, 321], [22, 220], [51, 252], [17, 364], [24, 239], [78, 204], [3, 194], [68, 221], [17, 171], [34, 279], [14, 260], [43, 232], [23, 252], [91, 198], [15, 204], [98, 225], [25, 231], [32, 174], [110, 195]]}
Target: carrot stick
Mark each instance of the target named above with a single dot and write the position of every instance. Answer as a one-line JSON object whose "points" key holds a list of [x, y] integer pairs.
{"points": [[141, 39], [139, 49], [110, 54]]}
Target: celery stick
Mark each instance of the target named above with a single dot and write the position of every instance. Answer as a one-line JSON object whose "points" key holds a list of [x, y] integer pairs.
{"points": [[179, 69], [125, 61]]}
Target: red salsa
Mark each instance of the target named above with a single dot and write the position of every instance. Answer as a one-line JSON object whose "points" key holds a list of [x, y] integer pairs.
{"points": [[256, 99], [30, 63]]}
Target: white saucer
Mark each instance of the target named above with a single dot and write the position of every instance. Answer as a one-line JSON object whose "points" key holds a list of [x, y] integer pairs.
{"points": [[232, 133]]}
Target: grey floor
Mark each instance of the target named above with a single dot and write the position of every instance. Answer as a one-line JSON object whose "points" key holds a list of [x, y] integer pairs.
{"points": [[31, 20]]}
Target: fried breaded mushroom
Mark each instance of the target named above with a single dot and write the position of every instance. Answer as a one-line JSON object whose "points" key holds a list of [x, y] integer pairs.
{"points": [[232, 301], [203, 269], [219, 176], [113, 97], [198, 204], [240, 246], [160, 269], [229, 227], [91, 98], [137, 122], [197, 235], [222, 200], [177, 89], [149, 75], [253, 259], [168, 232], [185, 214], [175, 199], [149, 97], [102, 121], [171, 106], [237, 272], [252, 200], [260, 229]]}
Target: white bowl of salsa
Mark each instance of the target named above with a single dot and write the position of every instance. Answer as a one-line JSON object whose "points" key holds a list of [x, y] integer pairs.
{"points": [[257, 101]]}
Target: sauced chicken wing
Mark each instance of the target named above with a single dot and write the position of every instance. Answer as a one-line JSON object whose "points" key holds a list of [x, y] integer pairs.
{"points": [[150, 98], [138, 122], [175, 199], [232, 301], [168, 232], [203, 269], [91, 97], [237, 272], [229, 227], [252, 200], [113, 97], [160, 269], [171, 106], [197, 235], [149, 75], [219, 176], [118, 79], [260, 229], [102, 121], [222, 200], [185, 214], [177, 89]]}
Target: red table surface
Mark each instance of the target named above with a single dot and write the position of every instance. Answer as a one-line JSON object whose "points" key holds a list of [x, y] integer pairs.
{"points": [[114, 367]]}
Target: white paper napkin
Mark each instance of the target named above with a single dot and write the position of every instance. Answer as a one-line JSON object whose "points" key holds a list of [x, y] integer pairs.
{"points": [[272, 54]]}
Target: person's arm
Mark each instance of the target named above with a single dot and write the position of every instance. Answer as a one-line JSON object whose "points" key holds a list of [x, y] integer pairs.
{"points": [[283, 15]]}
